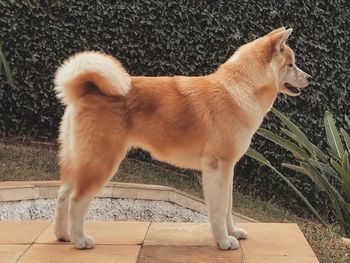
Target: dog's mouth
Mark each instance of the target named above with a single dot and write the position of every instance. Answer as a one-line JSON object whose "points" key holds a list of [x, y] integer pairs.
{"points": [[292, 89]]}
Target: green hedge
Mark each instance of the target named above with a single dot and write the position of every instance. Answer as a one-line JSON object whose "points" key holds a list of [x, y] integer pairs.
{"points": [[155, 37]]}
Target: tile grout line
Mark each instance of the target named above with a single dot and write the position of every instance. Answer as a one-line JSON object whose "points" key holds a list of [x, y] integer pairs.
{"points": [[139, 254], [50, 222], [24, 252], [241, 247]]}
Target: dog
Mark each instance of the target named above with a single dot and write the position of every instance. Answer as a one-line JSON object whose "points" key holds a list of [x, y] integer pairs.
{"points": [[204, 123]]}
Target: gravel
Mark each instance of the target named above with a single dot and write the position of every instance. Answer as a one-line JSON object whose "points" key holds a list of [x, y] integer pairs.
{"points": [[105, 209]]}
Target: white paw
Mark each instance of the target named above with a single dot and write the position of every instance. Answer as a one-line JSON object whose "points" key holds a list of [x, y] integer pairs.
{"points": [[84, 242], [228, 243], [62, 235], [239, 233]]}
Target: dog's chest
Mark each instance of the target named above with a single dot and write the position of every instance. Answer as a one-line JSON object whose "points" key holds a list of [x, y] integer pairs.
{"points": [[242, 140], [243, 134]]}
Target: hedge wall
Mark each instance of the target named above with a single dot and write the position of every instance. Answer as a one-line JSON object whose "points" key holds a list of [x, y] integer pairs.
{"points": [[155, 37]]}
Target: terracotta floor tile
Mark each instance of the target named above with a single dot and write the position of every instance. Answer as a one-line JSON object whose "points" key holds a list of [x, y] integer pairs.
{"points": [[105, 232], [271, 239], [179, 234], [21, 232], [52, 253], [280, 259], [164, 242], [188, 254], [11, 253]]}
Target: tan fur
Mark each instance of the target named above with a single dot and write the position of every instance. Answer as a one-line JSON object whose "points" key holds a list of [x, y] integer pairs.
{"points": [[204, 123]]}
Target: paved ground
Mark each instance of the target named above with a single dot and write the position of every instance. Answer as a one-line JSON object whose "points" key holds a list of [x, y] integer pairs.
{"points": [[33, 241]]}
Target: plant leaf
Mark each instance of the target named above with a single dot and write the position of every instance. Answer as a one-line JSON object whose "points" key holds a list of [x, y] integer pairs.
{"points": [[297, 139], [347, 121], [314, 175], [338, 168], [6, 67], [346, 138], [347, 205], [290, 146], [319, 154], [0, 63], [302, 138], [333, 137], [333, 155], [294, 168], [303, 198], [345, 176], [345, 163], [326, 168], [257, 156], [339, 214]]}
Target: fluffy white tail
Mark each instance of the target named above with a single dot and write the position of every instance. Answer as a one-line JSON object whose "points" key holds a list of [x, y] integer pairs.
{"points": [[74, 77]]}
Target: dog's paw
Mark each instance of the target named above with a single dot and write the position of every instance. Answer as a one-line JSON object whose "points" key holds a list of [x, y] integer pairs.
{"points": [[239, 233], [62, 236], [228, 243], [85, 242]]}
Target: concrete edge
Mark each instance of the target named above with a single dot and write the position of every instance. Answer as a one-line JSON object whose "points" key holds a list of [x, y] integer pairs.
{"points": [[29, 190]]}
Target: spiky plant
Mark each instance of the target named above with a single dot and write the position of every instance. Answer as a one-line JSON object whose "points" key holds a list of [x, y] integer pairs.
{"points": [[329, 170]]}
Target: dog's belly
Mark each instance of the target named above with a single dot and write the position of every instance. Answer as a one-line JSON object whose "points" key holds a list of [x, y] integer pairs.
{"points": [[181, 159], [187, 157]]}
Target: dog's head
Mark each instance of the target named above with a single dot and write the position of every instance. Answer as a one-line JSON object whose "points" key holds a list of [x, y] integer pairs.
{"points": [[290, 78], [276, 61]]}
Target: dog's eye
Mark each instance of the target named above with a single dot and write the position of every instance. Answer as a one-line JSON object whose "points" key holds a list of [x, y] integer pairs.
{"points": [[290, 65]]}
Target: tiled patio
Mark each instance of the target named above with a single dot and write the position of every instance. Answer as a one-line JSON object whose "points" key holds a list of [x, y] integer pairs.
{"points": [[33, 241]]}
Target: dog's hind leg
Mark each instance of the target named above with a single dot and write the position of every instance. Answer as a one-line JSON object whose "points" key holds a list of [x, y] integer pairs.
{"points": [[61, 213], [77, 210], [216, 178], [100, 163], [232, 230]]}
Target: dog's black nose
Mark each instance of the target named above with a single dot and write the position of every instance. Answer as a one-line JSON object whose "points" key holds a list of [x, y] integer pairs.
{"points": [[309, 77]]}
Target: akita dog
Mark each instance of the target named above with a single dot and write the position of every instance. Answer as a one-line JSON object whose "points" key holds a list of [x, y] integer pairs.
{"points": [[204, 123]]}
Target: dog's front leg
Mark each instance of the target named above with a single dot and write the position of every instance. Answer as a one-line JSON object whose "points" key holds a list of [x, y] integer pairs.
{"points": [[216, 185], [232, 230]]}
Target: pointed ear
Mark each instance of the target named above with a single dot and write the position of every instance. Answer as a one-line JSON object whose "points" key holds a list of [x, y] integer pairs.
{"points": [[280, 38], [276, 31]]}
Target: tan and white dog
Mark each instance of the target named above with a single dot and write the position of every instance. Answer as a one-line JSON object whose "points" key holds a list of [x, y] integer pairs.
{"points": [[204, 123]]}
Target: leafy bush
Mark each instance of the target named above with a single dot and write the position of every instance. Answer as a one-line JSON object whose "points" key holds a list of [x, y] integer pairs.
{"points": [[158, 37], [329, 171]]}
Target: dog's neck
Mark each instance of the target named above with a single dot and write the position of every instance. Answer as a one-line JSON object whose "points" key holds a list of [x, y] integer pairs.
{"points": [[247, 85]]}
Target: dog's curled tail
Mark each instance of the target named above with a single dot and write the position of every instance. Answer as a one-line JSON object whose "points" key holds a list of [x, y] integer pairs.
{"points": [[84, 72]]}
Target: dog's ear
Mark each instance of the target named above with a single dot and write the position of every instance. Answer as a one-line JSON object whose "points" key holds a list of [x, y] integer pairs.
{"points": [[280, 38], [275, 41], [276, 31]]}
